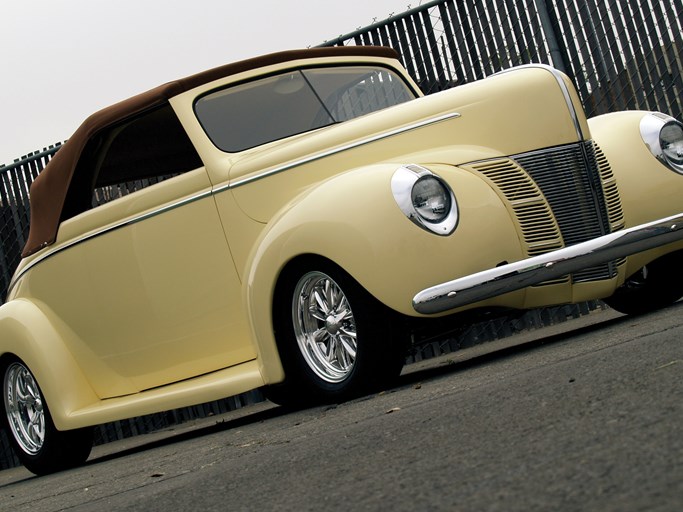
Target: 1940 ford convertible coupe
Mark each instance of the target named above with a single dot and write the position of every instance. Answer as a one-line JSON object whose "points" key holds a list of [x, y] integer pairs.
{"points": [[286, 222]]}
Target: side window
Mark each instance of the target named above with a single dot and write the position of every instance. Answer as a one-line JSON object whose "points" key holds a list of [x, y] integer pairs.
{"points": [[132, 155]]}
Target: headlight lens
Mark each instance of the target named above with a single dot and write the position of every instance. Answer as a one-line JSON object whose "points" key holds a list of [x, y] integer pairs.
{"points": [[425, 199], [663, 135], [431, 199], [671, 142]]}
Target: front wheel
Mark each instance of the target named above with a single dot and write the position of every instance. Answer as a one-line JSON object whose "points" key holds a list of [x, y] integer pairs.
{"points": [[335, 340], [40, 447], [655, 286]]}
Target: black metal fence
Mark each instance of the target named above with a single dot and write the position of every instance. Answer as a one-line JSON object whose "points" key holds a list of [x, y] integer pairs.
{"points": [[621, 54]]}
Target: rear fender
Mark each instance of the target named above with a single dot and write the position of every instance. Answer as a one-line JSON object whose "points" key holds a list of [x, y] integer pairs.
{"points": [[28, 334]]}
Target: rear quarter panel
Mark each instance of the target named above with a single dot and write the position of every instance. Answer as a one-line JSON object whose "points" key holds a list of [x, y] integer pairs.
{"points": [[30, 334]]}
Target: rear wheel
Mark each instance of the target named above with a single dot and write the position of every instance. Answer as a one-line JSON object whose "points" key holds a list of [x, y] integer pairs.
{"points": [[38, 444], [655, 286], [335, 340]]}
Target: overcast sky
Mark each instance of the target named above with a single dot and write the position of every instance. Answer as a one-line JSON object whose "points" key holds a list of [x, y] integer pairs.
{"points": [[61, 60]]}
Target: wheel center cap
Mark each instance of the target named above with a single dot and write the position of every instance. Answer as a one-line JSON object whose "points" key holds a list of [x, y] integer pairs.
{"points": [[333, 322], [331, 325]]}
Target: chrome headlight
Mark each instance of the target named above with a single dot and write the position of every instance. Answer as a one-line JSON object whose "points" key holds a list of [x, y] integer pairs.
{"points": [[671, 141], [425, 199], [663, 135]]}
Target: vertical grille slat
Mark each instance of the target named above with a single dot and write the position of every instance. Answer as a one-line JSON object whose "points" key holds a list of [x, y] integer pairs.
{"points": [[579, 185]]}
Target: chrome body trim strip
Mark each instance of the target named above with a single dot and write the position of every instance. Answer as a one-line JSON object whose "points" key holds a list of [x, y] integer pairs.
{"points": [[385, 135], [531, 271], [94, 234], [139, 218]]}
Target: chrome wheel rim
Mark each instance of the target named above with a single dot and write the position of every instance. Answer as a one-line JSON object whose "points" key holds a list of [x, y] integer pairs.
{"points": [[24, 408], [325, 327]]}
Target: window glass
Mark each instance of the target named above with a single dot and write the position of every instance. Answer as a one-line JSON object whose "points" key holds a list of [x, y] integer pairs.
{"points": [[272, 108], [355, 91], [128, 157]]}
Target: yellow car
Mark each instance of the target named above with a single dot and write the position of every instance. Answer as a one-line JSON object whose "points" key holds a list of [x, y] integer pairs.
{"points": [[288, 221]]}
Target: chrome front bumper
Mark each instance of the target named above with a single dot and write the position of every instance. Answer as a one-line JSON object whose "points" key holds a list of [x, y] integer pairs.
{"points": [[514, 276]]}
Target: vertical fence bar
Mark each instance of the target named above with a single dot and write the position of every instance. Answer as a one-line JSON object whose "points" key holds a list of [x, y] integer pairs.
{"points": [[512, 32], [580, 28], [536, 38], [433, 49], [617, 90], [407, 49], [487, 48], [672, 80], [655, 36], [464, 34], [451, 50], [647, 87], [670, 31], [628, 50], [589, 19], [496, 22], [550, 27], [418, 56]]}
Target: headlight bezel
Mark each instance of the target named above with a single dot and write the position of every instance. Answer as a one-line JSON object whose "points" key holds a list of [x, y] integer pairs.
{"points": [[651, 127], [403, 183]]}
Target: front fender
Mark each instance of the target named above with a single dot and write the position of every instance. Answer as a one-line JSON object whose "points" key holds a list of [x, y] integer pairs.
{"points": [[354, 221], [648, 190], [27, 333]]}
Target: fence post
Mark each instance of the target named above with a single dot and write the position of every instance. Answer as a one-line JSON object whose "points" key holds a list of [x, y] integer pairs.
{"points": [[558, 55]]}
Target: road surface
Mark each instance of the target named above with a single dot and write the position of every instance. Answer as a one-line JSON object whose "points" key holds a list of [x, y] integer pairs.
{"points": [[578, 417]]}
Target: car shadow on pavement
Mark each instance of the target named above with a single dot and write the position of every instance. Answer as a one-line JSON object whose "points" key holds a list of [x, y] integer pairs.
{"points": [[491, 351], [184, 432], [415, 373]]}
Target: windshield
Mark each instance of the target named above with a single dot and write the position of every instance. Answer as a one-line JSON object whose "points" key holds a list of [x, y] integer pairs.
{"points": [[272, 108]]}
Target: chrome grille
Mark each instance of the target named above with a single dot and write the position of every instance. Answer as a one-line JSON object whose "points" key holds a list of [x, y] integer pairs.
{"points": [[560, 196], [537, 225], [572, 178]]}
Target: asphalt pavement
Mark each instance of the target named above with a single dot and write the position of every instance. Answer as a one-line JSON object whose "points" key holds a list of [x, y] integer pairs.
{"points": [[579, 417]]}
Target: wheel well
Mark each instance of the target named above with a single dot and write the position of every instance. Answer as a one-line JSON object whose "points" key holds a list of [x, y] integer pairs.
{"points": [[310, 261], [382, 351], [307, 261], [5, 360]]}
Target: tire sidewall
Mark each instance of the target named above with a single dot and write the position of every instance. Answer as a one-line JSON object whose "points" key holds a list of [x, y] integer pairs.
{"points": [[60, 449], [662, 287], [300, 378]]}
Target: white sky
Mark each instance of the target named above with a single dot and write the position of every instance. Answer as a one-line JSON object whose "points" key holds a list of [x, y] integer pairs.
{"points": [[61, 60]]}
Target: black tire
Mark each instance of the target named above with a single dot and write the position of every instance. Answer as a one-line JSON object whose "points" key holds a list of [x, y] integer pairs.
{"points": [[40, 447], [356, 352], [657, 285]]}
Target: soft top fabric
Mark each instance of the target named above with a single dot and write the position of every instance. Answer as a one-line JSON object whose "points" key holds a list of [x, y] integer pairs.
{"points": [[49, 190]]}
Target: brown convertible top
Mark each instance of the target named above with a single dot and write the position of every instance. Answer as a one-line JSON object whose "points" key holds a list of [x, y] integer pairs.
{"points": [[48, 191]]}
